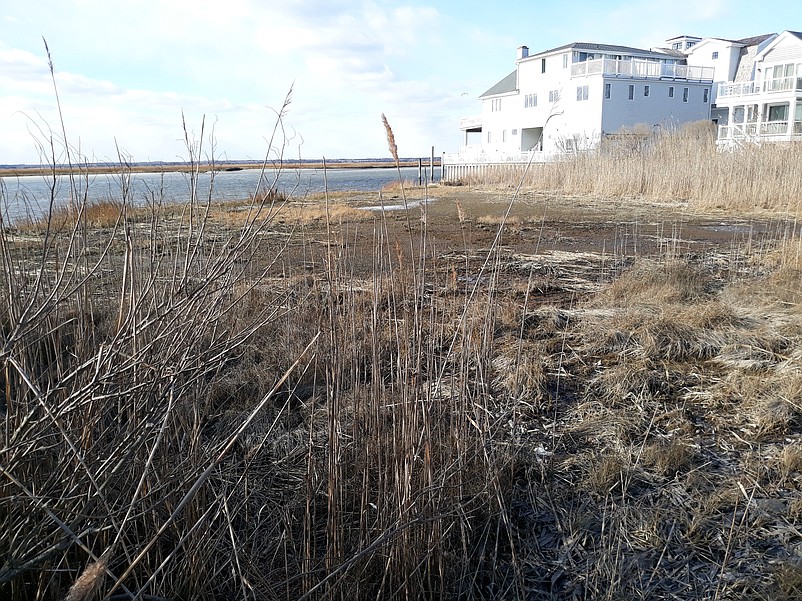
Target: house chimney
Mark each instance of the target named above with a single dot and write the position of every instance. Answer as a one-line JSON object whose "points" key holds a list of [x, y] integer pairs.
{"points": [[523, 52]]}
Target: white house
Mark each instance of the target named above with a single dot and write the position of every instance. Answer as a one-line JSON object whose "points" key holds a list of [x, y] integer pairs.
{"points": [[732, 61], [764, 103], [568, 98]]}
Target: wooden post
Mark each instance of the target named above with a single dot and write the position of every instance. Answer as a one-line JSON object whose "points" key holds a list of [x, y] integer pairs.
{"points": [[420, 172], [431, 165]]}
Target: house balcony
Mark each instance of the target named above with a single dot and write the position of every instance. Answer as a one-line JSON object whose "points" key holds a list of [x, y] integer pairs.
{"points": [[749, 89], [769, 131], [638, 69], [473, 123]]}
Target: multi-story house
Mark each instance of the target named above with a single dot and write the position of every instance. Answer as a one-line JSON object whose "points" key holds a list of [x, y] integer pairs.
{"points": [[762, 102], [568, 98], [732, 61]]}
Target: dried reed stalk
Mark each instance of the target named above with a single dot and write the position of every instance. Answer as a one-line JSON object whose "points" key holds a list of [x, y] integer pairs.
{"points": [[391, 145]]}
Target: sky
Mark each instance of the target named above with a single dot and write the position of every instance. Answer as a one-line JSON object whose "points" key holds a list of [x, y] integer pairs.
{"points": [[159, 80]]}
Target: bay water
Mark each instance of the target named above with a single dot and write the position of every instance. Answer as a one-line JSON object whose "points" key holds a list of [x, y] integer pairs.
{"points": [[29, 196]]}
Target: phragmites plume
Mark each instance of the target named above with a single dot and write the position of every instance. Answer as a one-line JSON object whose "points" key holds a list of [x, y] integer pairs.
{"points": [[390, 138], [89, 581]]}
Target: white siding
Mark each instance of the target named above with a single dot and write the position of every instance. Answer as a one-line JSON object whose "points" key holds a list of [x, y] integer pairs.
{"points": [[787, 50], [656, 109]]}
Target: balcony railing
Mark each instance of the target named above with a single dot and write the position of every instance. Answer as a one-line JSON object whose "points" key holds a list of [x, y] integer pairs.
{"points": [[771, 130], [641, 70], [470, 122], [752, 88], [477, 155]]}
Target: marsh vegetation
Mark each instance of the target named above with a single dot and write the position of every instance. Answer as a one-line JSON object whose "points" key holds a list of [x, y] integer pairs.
{"points": [[499, 395]]}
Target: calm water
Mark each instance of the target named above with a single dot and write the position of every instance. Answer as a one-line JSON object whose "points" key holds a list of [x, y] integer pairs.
{"points": [[29, 195]]}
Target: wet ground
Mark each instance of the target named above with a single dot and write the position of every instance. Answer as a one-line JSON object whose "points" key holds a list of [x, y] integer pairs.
{"points": [[570, 245]]}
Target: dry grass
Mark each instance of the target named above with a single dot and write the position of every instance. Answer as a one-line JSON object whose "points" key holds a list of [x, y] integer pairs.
{"points": [[265, 402], [676, 165], [437, 440], [101, 214]]}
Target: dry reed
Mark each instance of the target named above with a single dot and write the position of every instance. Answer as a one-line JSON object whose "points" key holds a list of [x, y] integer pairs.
{"points": [[212, 412], [681, 164]]}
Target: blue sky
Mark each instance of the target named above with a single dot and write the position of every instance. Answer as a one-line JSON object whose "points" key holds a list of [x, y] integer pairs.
{"points": [[126, 70]]}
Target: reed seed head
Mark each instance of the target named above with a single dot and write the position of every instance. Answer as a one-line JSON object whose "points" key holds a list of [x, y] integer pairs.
{"points": [[390, 138]]}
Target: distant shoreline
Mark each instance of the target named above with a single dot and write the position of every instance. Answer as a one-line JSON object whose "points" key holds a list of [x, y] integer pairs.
{"points": [[96, 169]]}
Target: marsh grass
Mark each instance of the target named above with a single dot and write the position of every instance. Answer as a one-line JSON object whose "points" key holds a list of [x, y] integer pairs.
{"points": [[210, 404], [680, 164]]}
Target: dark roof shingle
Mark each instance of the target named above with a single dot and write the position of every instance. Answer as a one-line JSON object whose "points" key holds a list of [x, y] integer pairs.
{"points": [[505, 86], [601, 48]]}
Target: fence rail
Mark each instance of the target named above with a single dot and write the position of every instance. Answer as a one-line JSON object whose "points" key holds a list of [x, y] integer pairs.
{"points": [[641, 69]]}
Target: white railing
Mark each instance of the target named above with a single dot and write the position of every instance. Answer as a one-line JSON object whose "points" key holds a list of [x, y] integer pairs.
{"points": [[770, 130], [782, 84], [470, 122], [640, 69], [473, 155], [751, 88], [774, 128], [748, 88], [738, 131]]}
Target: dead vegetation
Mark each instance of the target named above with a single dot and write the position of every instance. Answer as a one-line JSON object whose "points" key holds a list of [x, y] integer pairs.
{"points": [[679, 164], [287, 399], [263, 403]]}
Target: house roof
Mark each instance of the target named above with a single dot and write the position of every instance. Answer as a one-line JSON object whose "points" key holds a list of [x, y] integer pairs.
{"points": [[671, 52], [755, 40], [600, 48], [505, 86], [784, 35]]}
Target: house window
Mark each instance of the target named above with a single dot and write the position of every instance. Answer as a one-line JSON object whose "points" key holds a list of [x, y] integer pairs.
{"points": [[489, 138], [514, 132], [684, 94], [554, 95], [495, 105], [715, 55], [565, 61], [608, 91], [778, 112], [631, 91], [530, 101], [504, 135], [543, 65], [646, 91], [581, 93], [676, 46], [706, 95], [671, 91]]}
